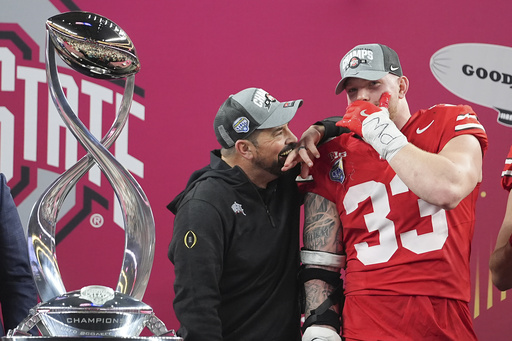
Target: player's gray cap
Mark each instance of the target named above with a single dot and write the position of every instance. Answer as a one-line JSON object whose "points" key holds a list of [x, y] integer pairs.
{"points": [[370, 62], [250, 109]]}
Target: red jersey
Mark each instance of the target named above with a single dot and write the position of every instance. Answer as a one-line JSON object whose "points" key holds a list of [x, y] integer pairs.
{"points": [[506, 175], [396, 243]]}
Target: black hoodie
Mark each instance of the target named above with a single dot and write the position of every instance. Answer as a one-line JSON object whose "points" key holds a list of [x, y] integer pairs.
{"points": [[235, 249]]}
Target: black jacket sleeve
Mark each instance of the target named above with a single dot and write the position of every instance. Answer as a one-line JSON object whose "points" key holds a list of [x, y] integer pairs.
{"points": [[196, 250], [18, 292]]}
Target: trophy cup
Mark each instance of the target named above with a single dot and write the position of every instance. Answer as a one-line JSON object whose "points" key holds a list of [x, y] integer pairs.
{"points": [[94, 46]]}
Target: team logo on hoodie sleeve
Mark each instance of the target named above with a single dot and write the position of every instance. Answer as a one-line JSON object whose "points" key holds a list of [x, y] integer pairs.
{"points": [[190, 239]]}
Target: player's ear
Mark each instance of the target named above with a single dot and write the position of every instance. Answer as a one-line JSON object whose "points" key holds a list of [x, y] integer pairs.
{"points": [[403, 86], [245, 148]]}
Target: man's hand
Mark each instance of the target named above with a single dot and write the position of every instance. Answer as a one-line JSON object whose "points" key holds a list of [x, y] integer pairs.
{"points": [[358, 111], [373, 124], [306, 150], [320, 333]]}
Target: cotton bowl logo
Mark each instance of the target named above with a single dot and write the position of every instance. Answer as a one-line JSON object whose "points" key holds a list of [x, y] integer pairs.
{"points": [[480, 73], [241, 125], [337, 173]]}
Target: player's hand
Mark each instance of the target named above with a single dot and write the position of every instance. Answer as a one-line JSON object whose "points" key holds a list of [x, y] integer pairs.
{"points": [[358, 111], [375, 126], [306, 150], [320, 333]]}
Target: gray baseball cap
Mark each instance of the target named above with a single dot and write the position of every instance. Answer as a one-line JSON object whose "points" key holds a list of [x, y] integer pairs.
{"points": [[250, 109], [370, 62]]}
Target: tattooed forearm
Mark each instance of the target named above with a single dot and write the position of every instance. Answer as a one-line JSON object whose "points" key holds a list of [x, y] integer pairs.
{"points": [[322, 232], [322, 229], [322, 226], [317, 292]]}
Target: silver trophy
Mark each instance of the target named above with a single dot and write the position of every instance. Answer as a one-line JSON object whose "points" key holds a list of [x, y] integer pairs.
{"points": [[94, 46]]}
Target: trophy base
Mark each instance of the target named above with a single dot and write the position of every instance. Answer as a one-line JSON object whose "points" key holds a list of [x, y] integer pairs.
{"points": [[93, 311], [105, 338]]}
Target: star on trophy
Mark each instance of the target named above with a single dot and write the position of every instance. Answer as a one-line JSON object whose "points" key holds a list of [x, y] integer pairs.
{"points": [[94, 46]]}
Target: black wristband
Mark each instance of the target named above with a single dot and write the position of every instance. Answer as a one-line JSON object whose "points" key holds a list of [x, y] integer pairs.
{"points": [[329, 317], [323, 315], [331, 129]]}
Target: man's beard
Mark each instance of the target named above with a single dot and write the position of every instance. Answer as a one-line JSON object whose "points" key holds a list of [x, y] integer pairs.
{"points": [[275, 166]]}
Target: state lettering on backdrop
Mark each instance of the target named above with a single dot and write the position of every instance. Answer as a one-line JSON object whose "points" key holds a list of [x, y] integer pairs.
{"points": [[35, 145]]}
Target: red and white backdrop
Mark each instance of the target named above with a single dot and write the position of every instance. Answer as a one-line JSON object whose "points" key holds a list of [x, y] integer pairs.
{"points": [[196, 53]]}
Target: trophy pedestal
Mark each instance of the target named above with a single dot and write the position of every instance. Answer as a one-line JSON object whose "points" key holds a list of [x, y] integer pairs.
{"points": [[94, 311]]}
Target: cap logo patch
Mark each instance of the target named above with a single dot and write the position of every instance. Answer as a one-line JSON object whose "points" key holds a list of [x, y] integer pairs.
{"points": [[262, 99], [356, 57], [355, 62], [288, 104], [241, 125]]}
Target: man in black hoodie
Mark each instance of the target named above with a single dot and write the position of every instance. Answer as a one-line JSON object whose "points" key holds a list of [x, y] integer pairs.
{"points": [[235, 244]]}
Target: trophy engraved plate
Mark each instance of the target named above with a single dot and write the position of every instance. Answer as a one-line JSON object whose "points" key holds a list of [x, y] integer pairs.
{"points": [[94, 46]]}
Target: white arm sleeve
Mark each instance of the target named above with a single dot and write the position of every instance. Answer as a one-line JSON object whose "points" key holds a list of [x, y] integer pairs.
{"points": [[320, 333]]}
